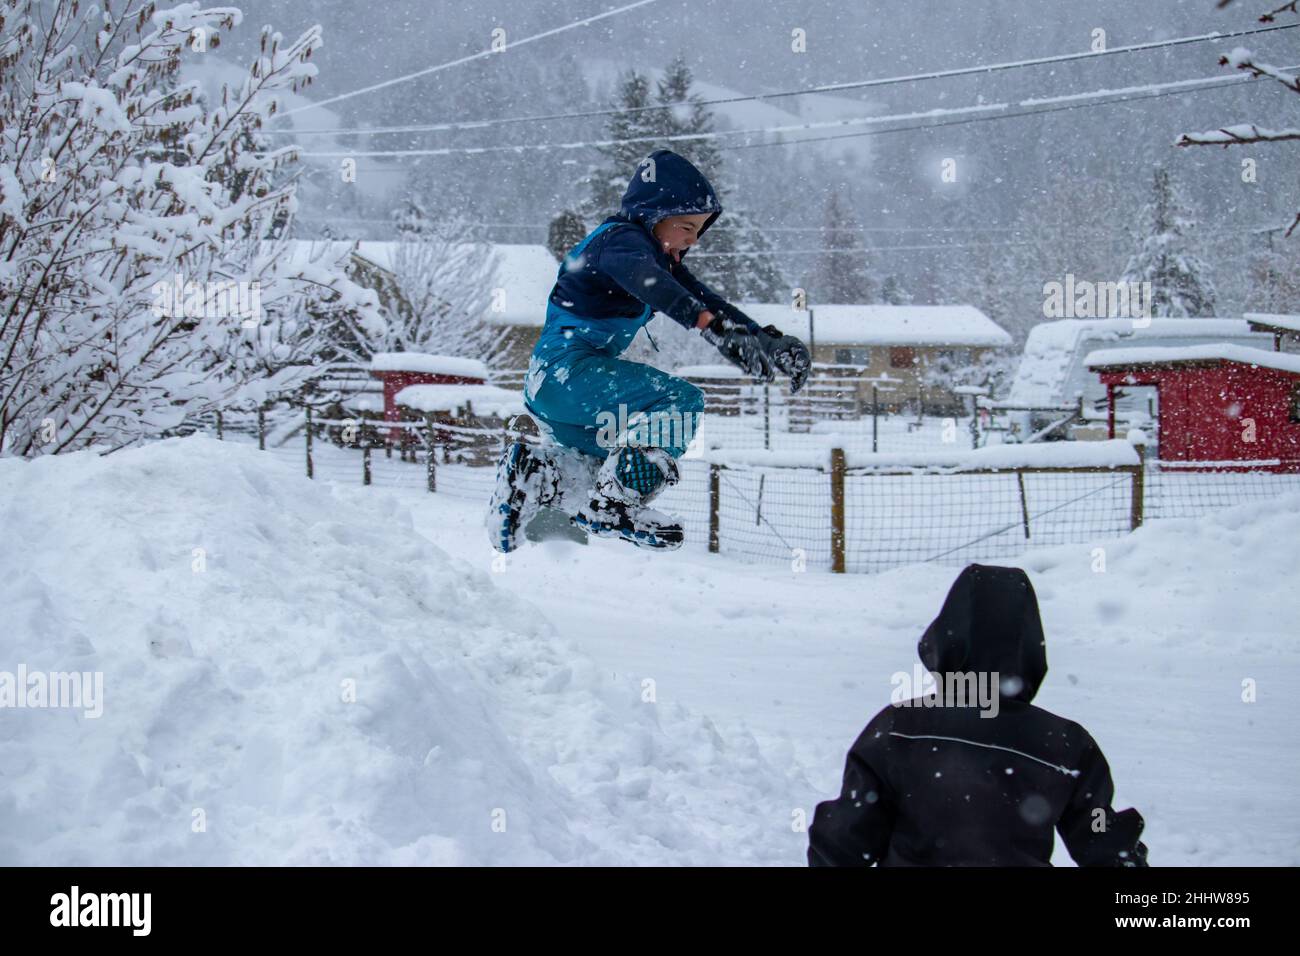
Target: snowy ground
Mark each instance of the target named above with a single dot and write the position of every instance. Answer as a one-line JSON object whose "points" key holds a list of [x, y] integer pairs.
{"points": [[516, 689]]}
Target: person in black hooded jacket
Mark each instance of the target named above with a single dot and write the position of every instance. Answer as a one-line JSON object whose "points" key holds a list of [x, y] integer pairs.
{"points": [[953, 781]]}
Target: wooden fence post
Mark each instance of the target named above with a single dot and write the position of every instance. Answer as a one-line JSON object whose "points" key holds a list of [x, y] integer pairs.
{"points": [[310, 470], [767, 416], [365, 464], [715, 500], [220, 430], [430, 459], [837, 510], [1024, 504], [1139, 489], [261, 428]]}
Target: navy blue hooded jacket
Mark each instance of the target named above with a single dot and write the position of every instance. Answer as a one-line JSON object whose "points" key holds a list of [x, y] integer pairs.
{"points": [[619, 274], [950, 785]]}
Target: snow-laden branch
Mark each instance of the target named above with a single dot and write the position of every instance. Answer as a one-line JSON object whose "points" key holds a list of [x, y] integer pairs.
{"points": [[1234, 135], [1242, 59]]}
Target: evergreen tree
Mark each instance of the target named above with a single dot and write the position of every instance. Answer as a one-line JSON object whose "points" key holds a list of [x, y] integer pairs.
{"points": [[893, 293], [609, 179], [566, 231], [1180, 282], [841, 274], [735, 259]]}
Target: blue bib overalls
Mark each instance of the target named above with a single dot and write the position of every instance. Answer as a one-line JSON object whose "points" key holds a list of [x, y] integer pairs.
{"points": [[576, 382]]}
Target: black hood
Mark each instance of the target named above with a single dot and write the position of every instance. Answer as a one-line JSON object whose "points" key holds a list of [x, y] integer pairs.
{"points": [[676, 189], [989, 622]]}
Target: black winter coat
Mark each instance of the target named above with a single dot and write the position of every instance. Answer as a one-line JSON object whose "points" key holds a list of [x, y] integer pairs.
{"points": [[945, 786]]}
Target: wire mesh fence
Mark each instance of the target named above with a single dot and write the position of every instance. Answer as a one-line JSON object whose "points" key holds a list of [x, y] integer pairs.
{"points": [[1175, 491], [864, 518]]}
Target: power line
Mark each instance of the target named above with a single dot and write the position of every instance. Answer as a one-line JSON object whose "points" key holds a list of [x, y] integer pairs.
{"points": [[973, 113], [988, 119], [464, 59], [832, 87]]}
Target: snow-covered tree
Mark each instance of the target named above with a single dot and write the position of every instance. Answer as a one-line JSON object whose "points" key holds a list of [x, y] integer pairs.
{"points": [[139, 282], [1180, 281], [841, 273], [626, 129], [735, 258], [446, 289], [1273, 276], [893, 293], [565, 231]]}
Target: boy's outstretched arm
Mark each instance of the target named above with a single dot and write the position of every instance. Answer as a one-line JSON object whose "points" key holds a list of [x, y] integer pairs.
{"points": [[715, 303], [1093, 832], [854, 829], [629, 259]]}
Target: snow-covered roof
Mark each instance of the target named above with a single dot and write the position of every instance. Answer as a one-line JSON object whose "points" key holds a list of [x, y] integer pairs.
{"points": [[431, 364], [1214, 352], [484, 399], [1052, 371], [1289, 322], [926, 325]]}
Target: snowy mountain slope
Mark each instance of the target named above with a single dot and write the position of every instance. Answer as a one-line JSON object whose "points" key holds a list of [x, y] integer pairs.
{"points": [[224, 690]]}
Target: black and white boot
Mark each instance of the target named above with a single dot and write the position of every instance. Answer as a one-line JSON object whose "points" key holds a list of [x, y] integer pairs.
{"points": [[628, 480], [526, 482]]}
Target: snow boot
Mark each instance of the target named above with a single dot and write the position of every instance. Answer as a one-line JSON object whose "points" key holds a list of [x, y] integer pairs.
{"points": [[527, 481], [628, 480]]}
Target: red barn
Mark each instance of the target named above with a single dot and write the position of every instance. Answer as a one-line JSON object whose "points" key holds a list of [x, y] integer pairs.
{"points": [[397, 370], [1218, 403]]}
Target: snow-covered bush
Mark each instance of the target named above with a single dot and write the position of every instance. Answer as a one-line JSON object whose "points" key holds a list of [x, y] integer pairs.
{"points": [[142, 270]]}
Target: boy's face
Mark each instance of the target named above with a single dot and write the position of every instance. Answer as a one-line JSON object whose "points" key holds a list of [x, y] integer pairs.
{"points": [[676, 234]]}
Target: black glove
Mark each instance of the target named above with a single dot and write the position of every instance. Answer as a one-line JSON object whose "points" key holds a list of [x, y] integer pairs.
{"points": [[787, 355], [740, 346]]}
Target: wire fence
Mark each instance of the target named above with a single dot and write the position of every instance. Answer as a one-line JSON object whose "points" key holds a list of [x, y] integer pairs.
{"points": [[833, 515]]}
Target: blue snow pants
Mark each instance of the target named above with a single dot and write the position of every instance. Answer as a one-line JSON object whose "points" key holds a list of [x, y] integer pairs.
{"points": [[577, 387]]}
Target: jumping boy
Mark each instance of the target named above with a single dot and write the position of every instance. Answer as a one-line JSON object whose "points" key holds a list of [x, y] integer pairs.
{"points": [[940, 781], [616, 428]]}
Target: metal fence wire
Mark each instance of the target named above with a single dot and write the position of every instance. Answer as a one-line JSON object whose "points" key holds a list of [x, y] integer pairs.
{"points": [[859, 519]]}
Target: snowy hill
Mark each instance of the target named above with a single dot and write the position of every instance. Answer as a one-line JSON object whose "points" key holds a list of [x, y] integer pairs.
{"points": [[224, 690]]}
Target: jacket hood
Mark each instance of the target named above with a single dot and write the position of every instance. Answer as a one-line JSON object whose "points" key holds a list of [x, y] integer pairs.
{"points": [[664, 185], [989, 622]]}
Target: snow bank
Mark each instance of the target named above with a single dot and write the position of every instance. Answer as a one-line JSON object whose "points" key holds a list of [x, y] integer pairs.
{"points": [[292, 675], [430, 364]]}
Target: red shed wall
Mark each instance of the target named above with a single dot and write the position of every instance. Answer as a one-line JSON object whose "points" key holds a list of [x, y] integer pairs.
{"points": [[1204, 412]]}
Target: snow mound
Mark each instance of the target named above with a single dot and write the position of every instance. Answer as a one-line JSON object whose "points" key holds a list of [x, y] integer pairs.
{"points": [[235, 608]]}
